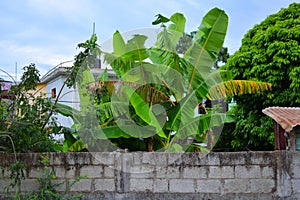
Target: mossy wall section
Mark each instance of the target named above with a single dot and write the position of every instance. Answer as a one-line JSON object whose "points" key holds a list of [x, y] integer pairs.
{"points": [[115, 175]]}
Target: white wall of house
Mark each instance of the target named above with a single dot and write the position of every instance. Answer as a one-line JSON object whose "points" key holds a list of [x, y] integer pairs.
{"points": [[68, 96]]}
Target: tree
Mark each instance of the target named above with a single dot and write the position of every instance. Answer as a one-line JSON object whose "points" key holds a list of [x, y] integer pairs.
{"points": [[270, 52], [23, 115], [152, 106], [185, 42]]}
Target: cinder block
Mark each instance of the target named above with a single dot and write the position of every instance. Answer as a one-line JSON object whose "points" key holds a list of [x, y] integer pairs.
{"points": [[109, 172], [60, 185], [295, 171], [195, 172], [259, 158], [214, 172], [157, 158], [6, 173], [57, 160], [161, 185], [227, 172], [208, 186], [174, 158], [182, 185], [169, 172], [141, 185], [255, 172], [221, 172], [295, 156], [103, 158], [232, 158], [35, 172], [30, 185], [92, 171], [142, 171], [236, 186], [62, 172], [241, 172], [137, 157], [248, 172], [296, 185], [149, 158], [267, 172], [84, 185], [3, 184], [161, 159], [105, 185], [212, 159], [262, 185]]}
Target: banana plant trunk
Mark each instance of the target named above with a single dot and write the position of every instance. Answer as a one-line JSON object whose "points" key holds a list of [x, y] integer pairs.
{"points": [[150, 144]]}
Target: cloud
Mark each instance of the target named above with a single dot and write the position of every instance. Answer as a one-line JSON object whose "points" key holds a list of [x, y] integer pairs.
{"points": [[44, 58], [66, 8]]}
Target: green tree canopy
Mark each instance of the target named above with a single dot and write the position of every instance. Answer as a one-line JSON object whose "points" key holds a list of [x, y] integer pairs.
{"points": [[270, 52]]}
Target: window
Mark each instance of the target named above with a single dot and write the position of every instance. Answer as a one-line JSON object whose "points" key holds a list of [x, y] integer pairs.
{"points": [[53, 93]]}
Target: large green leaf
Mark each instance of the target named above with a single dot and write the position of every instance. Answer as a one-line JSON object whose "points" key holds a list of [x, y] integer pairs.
{"points": [[118, 44], [168, 37], [179, 23], [212, 31], [104, 76], [183, 112], [202, 123], [125, 131], [210, 37], [126, 98], [175, 148], [123, 60], [77, 146], [199, 67], [177, 28], [143, 111], [160, 75], [67, 111], [69, 139]]}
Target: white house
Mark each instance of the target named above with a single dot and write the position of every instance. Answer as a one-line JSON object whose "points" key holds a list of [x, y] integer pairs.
{"points": [[56, 88]]}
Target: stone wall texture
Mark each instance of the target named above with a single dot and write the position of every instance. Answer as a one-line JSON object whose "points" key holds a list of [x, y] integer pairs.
{"points": [[140, 175]]}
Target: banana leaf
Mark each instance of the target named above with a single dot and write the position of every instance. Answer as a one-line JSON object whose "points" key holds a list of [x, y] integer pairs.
{"points": [[118, 44], [201, 123], [237, 87]]}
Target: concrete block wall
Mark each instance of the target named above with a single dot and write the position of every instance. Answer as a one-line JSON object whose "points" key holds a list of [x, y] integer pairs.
{"points": [[238, 175]]}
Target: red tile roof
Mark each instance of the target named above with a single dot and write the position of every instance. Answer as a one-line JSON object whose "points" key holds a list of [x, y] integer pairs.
{"points": [[286, 117]]}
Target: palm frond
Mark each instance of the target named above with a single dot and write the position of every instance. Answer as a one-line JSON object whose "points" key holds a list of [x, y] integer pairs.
{"points": [[237, 87]]}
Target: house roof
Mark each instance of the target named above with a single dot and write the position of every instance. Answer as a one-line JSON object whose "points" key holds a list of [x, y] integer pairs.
{"points": [[286, 117], [54, 73]]}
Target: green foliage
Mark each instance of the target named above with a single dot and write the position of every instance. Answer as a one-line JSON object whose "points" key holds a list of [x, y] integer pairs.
{"points": [[24, 116], [90, 53], [154, 99], [147, 87], [30, 77], [17, 174], [270, 52], [47, 189]]}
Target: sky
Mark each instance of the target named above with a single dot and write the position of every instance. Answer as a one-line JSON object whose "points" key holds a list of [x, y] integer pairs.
{"points": [[46, 32]]}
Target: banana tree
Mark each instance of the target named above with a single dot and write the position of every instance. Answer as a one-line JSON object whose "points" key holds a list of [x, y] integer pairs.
{"points": [[151, 106]]}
